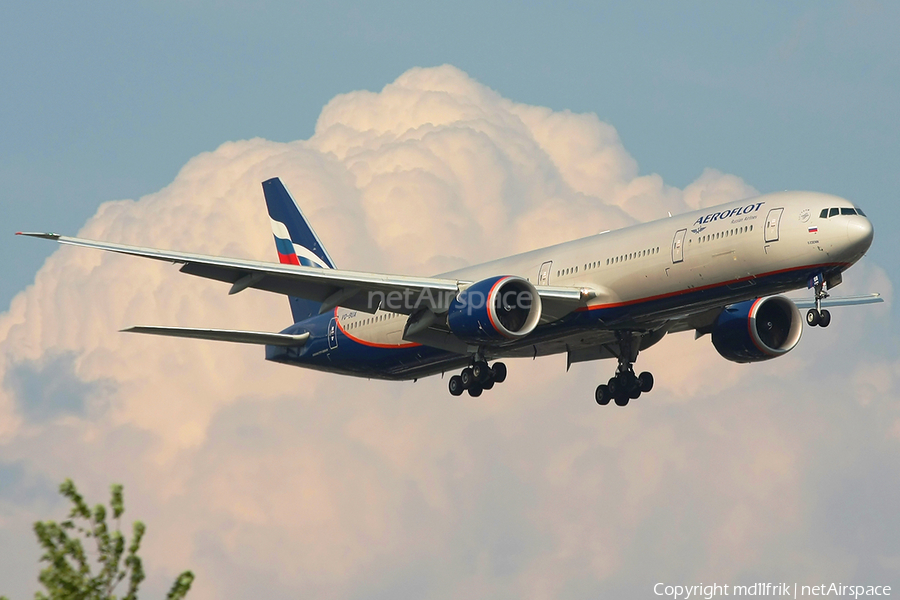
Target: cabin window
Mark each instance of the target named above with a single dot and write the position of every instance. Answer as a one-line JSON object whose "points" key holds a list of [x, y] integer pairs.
{"points": [[834, 212], [823, 214], [860, 212], [848, 211]]}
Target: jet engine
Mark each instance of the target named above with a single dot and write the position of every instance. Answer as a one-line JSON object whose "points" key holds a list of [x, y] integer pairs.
{"points": [[495, 310], [757, 330]]}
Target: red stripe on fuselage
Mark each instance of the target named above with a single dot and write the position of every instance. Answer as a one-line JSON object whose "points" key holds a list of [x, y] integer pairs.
{"points": [[706, 287], [370, 344]]}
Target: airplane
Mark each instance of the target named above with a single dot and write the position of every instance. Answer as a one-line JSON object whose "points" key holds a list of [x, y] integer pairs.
{"points": [[718, 271]]}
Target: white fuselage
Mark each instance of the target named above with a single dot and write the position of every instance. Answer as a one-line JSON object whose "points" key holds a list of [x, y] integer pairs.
{"points": [[737, 245]]}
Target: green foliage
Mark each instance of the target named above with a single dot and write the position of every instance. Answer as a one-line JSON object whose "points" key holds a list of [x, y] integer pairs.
{"points": [[69, 572]]}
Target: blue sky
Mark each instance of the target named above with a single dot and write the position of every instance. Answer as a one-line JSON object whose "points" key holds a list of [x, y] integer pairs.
{"points": [[263, 477], [107, 100]]}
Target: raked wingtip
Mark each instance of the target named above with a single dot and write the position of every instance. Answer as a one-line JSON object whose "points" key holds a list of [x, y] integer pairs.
{"points": [[36, 234]]}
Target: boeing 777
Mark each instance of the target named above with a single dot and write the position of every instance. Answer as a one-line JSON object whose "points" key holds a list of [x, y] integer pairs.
{"points": [[716, 271]]}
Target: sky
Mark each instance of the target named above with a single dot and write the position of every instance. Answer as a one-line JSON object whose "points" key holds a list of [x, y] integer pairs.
{"points": [[466, 132]]}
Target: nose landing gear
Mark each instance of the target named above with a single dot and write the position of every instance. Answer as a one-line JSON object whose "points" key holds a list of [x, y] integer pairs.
{"points": [[477, 378], [818, 315]]}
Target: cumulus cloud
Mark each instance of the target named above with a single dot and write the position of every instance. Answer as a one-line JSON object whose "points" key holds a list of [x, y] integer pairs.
{"points": [[288, 482]]}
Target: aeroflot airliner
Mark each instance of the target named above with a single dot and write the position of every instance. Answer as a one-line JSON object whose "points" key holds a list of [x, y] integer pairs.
{"points": [[715, 271]]}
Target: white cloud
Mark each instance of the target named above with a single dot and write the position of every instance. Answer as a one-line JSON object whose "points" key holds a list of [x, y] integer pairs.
{"points": [[254, 473]]}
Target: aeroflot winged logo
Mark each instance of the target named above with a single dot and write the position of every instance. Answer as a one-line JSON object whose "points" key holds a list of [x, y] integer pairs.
{"points": [[725, 214]]}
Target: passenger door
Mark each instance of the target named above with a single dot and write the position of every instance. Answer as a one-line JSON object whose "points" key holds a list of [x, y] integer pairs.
{"points": [[332, 334], [773, 224], [544, 273], [678, 246]]}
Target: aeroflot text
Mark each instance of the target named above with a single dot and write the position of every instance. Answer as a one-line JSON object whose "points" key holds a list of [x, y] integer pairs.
{"points": [[727, 214], [784, 590]]}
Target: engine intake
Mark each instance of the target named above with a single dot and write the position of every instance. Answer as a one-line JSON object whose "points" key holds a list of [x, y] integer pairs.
{"points": [[495, 309], [757, 330]]}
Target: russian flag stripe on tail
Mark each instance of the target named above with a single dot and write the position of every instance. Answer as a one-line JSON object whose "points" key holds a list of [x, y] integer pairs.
{"points": [[295, 241]]}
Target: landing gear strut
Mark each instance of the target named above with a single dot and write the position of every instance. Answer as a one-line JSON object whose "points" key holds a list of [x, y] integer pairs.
{"points": [[624, 385], [477, 378], [818, 315]]}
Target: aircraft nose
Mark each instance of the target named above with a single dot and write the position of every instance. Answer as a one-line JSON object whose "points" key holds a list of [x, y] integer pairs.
{"points": [[860, 233]]}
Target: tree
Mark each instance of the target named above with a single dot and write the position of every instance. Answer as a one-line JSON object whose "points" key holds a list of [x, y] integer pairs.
{"points": [[68, 575]]}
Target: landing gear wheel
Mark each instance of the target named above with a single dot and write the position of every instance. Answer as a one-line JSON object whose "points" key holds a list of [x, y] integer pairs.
{"points": [[499, 372], [813, 318], [481, 371], [824, 318], [625, 386], [456, 385], [475, 391], [467, 377], [613, 385], [645, 379], [488, 384]]}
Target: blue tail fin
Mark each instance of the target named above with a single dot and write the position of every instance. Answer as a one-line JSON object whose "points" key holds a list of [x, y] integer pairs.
{"points": [[295, 241]]}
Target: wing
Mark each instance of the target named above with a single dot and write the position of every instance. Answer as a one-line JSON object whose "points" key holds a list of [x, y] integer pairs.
{"points": [[839, 301], [332, 287], [225, 335]]}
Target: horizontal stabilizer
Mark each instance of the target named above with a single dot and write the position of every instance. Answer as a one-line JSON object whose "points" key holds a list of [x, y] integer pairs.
{"points": [[836, 301], [226, 335]]}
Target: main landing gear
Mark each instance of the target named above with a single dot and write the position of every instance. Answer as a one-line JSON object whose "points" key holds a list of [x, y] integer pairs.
{"points": [[818, 315], [624, 385], [477, 378]]}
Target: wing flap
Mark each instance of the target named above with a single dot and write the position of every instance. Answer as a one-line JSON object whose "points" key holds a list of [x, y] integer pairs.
{"points": [[225, 335]]}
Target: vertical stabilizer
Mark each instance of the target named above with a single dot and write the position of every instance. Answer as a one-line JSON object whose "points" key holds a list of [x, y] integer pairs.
{"points": [[295, 241]]}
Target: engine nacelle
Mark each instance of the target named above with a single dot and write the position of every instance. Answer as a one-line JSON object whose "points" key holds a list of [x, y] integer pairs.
{"points": [[757, 330], [495, 310]]}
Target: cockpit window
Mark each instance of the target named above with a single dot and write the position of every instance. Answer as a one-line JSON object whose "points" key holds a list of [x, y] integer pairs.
{"points": [[833, 212]]}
